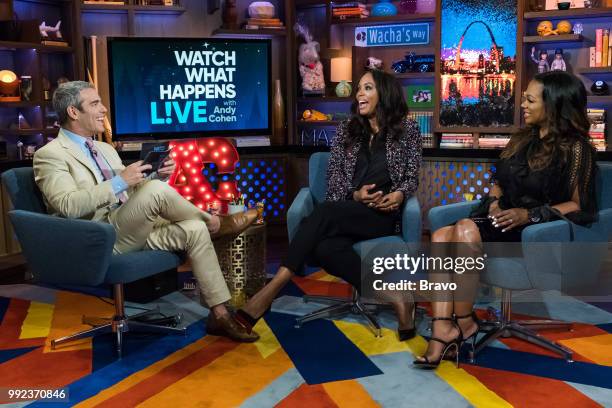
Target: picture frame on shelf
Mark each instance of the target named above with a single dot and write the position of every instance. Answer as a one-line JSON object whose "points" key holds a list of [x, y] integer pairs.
{"points": [[420, 96]]}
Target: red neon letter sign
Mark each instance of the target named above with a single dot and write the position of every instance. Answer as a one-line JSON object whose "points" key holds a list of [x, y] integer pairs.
{"points": [[188, 179]]}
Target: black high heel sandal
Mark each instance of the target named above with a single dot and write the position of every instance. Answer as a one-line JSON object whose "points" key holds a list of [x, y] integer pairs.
{"points": [[407, 334], [448, 345], [472, 336]]}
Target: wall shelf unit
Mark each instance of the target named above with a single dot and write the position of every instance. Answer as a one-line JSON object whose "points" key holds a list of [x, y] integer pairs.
{"points": [[535, 39], [602, 12]]}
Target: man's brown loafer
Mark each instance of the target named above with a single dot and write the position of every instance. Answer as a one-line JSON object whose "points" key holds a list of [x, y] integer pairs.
{"points": [[226, 326], [232, 225]]}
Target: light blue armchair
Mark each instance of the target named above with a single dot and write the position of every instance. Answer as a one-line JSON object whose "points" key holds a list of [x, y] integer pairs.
{"points": [[80, 252], [538, 269], [302, 206]]}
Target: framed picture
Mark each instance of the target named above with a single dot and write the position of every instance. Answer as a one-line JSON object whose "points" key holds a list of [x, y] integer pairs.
{"points": [[420, 96], [478, 53]]}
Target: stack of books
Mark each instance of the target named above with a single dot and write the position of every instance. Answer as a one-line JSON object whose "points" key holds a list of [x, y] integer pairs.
{"points": [[267, 23], [597, 132], [425, 122], [351, 9], [106, 2], [493, 141], [456, 141], [601, 54]]}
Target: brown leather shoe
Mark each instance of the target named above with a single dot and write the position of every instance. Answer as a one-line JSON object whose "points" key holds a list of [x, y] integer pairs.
{"points": [[226, 326], [232, 225]]}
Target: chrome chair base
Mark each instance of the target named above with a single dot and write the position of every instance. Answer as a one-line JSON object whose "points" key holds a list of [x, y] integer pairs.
{"points": [[523, 329], [344, 306], [120, 324]]}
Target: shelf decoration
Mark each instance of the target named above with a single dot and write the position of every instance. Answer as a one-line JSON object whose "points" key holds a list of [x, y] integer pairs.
{"points": [[311, 69], [9, 86], [478, 63], [341, 72], [384, 8], [392, 35], [51, 35], [420, 96]]}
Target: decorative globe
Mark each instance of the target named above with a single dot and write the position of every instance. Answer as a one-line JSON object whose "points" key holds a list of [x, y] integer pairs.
{"points": [[564, 27], [343, 89], [544, 27], [384, 8]]}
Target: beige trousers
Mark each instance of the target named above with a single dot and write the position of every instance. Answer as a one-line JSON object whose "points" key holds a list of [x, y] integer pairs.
{"points": [[157, 217]]}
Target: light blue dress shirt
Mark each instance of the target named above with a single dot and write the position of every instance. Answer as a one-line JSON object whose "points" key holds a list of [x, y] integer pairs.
{"points": [[119, 185]]}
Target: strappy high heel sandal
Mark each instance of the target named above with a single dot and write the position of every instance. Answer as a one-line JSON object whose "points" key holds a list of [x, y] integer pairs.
{"points": [[472, 336], [448, 345], [407, 334]]}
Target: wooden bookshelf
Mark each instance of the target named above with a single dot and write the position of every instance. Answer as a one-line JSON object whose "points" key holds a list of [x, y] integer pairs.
{"points": [[415, 75], [398, 19], [598, 12], [319, 99], [534, 39], [118, 8], [241, 33], [595, 70], [317, 123], [15, 45]]}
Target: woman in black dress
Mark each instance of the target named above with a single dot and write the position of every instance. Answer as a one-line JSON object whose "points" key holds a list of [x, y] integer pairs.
{"points": [[373, 169], [547, 169]]}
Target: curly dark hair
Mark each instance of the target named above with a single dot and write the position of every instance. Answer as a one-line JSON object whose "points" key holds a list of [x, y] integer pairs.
{"points": [[391, 109], [565, 102]]}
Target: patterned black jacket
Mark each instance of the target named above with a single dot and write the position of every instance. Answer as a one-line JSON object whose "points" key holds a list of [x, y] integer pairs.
{"points": [[403, 162]]}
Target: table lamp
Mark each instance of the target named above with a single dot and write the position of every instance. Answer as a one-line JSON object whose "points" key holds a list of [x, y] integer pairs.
{"points": [[9, 86], [341, 72]]}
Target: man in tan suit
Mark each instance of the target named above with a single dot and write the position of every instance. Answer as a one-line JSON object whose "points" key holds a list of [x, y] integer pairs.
{"points": [[81, 178]]}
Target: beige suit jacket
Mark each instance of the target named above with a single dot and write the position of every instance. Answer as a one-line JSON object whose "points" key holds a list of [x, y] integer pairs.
{"points": [[67, 179]]}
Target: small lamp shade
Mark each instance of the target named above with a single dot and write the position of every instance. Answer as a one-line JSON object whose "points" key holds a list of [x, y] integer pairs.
{"points": [[9, 84], [341, 69]]}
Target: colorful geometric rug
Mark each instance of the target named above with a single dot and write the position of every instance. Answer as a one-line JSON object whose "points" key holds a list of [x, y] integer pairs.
{"points": [[323, 364]]}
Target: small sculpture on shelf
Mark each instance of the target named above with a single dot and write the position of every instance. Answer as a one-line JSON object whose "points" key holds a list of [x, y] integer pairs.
{"points": [[545, 28], [542, 63], [311, 69], [26, 87], [374, 63], [558, 63], [313, 115], [564, 27], [578, 28], [384, 8], [51, 35]]}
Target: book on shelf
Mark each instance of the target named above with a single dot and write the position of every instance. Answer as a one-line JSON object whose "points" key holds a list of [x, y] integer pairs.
{"points": [[604, 48], [345, 4], [592, 52], [265, 21], [493, 141], [457, 141], [105, 2], [597, 130], [251, 141], [425, 122], [55, 43]]}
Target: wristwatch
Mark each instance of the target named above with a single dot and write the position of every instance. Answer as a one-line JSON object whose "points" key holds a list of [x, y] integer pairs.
{"points": [[535, 215]]}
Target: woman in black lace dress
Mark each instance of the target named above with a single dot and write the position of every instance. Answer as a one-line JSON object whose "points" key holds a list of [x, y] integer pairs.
{"points": [[373, 169], [548, 169]]}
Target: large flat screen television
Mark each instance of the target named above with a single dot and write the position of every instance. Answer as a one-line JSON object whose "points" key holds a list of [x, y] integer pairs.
{"points": [[185, 87]]}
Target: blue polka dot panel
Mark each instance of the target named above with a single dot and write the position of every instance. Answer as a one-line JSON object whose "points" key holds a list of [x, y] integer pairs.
{"points": [[258, 179], [444, 183]]}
